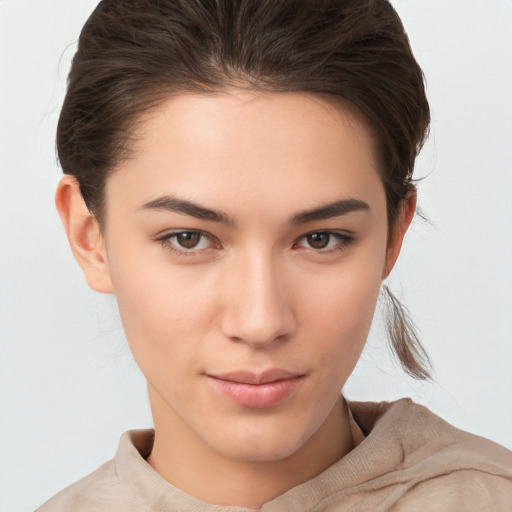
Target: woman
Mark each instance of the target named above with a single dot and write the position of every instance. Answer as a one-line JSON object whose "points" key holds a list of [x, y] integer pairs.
{"points": [[239, 175]]}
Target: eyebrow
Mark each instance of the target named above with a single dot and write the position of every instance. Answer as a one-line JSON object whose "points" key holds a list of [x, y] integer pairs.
{"points": [[330, 210], [184, 207]]}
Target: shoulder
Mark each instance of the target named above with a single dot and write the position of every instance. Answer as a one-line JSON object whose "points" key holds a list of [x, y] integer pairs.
{"points": [[467, 489], [109, 487], [421, 438], [436, 466], [101, 491], [86, 494]]}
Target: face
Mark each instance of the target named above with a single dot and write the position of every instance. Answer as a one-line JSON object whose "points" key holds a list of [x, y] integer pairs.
{"points": [[246, 242]]}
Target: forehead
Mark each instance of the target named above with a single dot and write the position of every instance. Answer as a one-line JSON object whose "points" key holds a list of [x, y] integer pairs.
{"points": [[238, 148]]}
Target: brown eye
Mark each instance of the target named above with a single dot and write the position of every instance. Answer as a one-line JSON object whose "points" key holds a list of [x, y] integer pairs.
{"points": [[188, 242], [188, 239], [325, 242], [318, 240]]}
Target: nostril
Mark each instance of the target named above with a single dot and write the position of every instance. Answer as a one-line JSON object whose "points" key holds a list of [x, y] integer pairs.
{"points": [[260, 330]]}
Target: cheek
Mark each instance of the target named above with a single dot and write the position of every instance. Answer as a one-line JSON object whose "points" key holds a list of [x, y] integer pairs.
{"points": [[164, 316], [349, 315], [340, 312]]}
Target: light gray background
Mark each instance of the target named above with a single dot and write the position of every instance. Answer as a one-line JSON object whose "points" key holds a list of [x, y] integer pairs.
{"points": [[69, 387]]}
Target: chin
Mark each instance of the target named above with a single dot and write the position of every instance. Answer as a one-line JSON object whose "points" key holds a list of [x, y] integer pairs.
{"points": [[260, 443], [260, 452]]}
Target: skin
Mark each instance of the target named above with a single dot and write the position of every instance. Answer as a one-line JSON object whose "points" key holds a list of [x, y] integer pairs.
{"points": [[254, 293]]}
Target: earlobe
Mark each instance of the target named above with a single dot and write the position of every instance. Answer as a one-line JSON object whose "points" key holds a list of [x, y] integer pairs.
{"points": [[402, 223], [83, 234]]}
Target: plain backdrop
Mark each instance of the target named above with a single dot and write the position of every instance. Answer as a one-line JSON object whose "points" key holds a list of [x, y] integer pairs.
{"points": [[69, 387]]}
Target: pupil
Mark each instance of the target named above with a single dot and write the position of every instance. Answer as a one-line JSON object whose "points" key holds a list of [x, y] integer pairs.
{"points": [[318, 240], [188, 240]]}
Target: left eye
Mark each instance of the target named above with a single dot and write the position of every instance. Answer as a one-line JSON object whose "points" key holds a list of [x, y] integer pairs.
{"points": [[186, 241], [324, 240]]}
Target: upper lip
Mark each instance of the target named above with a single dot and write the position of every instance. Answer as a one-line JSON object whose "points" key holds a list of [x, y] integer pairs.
{"points": [[265, 377]]}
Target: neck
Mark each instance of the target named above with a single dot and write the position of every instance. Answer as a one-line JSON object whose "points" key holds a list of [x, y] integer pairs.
{"points": [[188, 463]]}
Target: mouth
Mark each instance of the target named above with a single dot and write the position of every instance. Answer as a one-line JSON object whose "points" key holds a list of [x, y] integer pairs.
{"points": [[257, 390]]}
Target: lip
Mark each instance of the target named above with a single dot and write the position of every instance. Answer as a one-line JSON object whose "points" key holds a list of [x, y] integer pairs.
{"points": [[257, 390]]}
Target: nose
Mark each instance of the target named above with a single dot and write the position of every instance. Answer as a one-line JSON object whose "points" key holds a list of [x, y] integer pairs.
{"points": [[258, 306]]}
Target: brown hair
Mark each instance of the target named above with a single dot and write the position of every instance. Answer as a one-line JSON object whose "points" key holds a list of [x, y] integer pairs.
{"points": [[135, 54]]}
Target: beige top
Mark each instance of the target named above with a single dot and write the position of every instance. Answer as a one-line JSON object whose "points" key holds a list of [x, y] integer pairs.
{"points": [[411, 460]]}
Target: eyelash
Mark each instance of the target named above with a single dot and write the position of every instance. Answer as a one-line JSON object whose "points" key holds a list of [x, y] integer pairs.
{"points": [[344, 241], [166, 241]]}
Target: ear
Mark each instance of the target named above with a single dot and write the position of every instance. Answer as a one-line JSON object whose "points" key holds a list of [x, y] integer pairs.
{"points": [[84, 235], [403, 221]]}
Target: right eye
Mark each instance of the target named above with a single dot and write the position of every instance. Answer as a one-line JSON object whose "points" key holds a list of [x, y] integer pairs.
{"points": [[186, 241]]}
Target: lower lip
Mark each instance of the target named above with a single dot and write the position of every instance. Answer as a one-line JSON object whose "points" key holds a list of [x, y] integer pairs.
{"points": [[257, 396]]}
